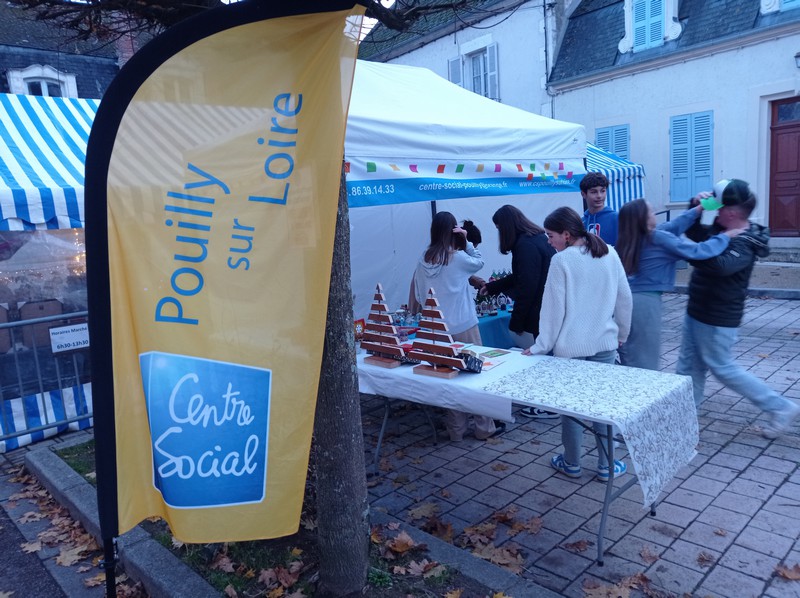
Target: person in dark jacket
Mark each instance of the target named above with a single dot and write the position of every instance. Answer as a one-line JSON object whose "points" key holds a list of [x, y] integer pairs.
{"points": [[717, 293], [530, 262]]}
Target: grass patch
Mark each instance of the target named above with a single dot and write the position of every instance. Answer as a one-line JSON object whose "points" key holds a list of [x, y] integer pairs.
{"points": [[80, 457]]}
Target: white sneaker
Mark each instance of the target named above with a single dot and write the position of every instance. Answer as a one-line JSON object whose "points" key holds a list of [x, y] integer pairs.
{"points": [[781, 421]]}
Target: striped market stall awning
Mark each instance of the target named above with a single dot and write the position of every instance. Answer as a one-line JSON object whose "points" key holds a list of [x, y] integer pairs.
{"points": [[42, 154], [626, 179]]}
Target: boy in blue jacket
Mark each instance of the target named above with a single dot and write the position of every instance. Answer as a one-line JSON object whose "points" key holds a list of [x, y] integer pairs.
{"points": [[598, 218]]}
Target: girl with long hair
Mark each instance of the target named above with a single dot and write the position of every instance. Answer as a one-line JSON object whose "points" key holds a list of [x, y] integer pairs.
{"points": [[586, 314], [445, 266], [530, 259], [649, 253]]}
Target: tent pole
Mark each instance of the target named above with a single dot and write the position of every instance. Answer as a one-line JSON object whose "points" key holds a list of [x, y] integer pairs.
{"points": [[433, 209]]}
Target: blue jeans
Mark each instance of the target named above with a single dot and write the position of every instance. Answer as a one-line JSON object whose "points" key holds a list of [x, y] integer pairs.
{"points": [[705, 347], [572, 431]]}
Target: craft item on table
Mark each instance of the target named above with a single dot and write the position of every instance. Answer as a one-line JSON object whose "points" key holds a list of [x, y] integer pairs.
{"points": [[442, 357], [380, 335]]}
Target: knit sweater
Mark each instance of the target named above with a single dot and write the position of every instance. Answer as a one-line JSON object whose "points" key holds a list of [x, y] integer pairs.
{"points": [[451, 285], [586, 306]]}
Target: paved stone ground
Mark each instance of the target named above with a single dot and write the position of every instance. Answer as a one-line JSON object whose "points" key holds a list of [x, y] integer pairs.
{"points": [[723, 525]]}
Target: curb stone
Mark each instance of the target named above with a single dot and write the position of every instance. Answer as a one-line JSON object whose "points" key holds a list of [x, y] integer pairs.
{"points": [[166, 576], [162, 574]]}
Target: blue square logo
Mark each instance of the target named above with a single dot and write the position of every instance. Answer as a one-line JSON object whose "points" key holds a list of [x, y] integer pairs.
{"points": [[209, 423]]}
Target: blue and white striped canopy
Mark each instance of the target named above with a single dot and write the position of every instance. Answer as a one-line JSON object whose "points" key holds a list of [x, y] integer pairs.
{"points": [[42, 154], [626, 179]]}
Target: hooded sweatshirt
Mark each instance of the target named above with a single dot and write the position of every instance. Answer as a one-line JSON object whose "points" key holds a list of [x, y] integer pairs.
{"points": [[603, 224], [718, 287], [451, 286]]}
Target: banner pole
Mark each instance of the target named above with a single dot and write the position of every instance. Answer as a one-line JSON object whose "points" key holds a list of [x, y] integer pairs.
{"points": [[109, 565]]}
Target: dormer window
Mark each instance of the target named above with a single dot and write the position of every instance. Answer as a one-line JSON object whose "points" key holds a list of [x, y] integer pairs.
{"points": [[649, 23], [42, 80]]}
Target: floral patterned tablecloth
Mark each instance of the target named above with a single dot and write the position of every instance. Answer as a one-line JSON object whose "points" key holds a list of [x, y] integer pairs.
{"points": [[654, 411]]}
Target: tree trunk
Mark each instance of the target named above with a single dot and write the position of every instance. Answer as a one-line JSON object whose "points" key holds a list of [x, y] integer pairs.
{"points": [[342, 508]]}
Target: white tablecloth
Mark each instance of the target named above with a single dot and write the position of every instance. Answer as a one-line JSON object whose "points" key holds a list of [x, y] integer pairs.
{"points": [[654, 411]]}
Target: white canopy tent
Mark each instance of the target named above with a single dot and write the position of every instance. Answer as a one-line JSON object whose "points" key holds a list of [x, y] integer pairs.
{"points": [[413, 138]]}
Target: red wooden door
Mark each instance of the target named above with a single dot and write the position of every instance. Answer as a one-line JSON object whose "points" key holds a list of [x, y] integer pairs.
{"points": [[784, 178]]}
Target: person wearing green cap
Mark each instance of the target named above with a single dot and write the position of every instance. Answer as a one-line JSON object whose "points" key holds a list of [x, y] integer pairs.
{"points": [[717, 293], [649, 253]]}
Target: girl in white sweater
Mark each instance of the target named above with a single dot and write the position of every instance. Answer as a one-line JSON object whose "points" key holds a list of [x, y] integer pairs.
{"points": [[446, 266], [586, 314]]}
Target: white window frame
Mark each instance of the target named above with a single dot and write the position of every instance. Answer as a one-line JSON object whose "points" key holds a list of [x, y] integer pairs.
{"points": [[461, 72], [672, 28], [18, 80], [768, 6]]}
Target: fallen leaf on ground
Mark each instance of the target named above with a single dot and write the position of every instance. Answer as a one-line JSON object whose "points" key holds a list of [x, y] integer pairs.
{"points": [[375, 535], [505, 556], [402, 543], [222, 562], [720, 532], [440, 529], [31, 516], [268, 577], [95, 580], [29, 547], [423, 511], [499, 467], [647, 556], [286, 577], [69, 556], [230, 592], [454, 593], [578, 546], [504, 516], [704, 559], [418, 568], [792, 573]]}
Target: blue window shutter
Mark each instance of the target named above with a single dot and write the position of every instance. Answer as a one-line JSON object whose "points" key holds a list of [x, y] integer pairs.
{"points": [[679, 160], [789, 4], [702, 151], [602, 138], [655, 24], [614, 140], [620, 143], [639, 24], [492, 72], [454, 71]]}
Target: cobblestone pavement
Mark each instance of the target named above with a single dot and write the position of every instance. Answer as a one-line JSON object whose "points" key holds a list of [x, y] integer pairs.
{"points": [[724, 524]]}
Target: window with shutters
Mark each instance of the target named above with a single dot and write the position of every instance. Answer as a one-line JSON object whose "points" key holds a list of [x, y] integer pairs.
{"points": [[614, 139], [649, 23], [477, 71], [789, 4], [691, 155]]}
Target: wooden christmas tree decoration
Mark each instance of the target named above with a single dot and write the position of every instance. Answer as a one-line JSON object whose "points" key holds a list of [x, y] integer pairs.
{"points": [[380, 334], [442, 357]]}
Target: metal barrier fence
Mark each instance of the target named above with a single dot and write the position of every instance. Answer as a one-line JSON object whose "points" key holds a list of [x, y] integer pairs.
{"points": [[45, 376]]}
